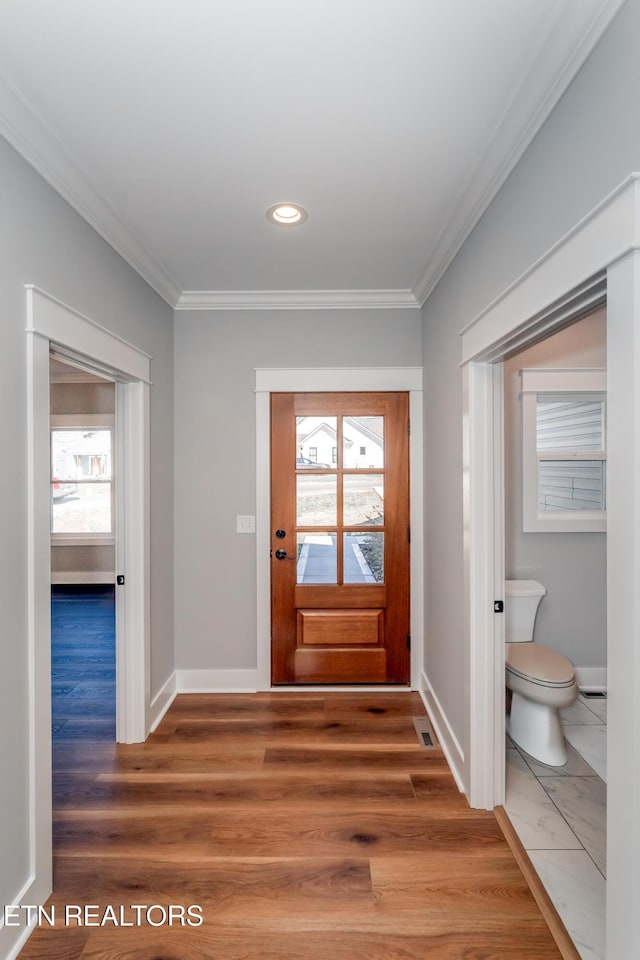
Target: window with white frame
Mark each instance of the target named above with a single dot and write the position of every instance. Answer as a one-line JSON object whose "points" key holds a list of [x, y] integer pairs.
{"points": [[82, 480], [564, 450]]}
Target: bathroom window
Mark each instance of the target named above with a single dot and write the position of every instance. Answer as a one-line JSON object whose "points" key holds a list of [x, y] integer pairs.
{"points": [[564, 464]]}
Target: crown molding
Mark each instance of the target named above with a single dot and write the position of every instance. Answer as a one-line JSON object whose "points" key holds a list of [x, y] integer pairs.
{"points": [[30, 135], [34, 140], [296, 300], [509, 140]]}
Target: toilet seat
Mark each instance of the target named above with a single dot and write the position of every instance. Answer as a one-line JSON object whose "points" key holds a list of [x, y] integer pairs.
{"points": [[537, 664], [541, 682]]}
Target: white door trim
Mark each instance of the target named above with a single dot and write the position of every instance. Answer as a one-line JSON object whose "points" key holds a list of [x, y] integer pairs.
{"points": [[133, 609], [328, 380], [606, 241], [483, 497], [51, 322]]}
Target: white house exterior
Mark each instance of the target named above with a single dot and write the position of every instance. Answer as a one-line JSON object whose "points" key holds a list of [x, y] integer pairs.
{"points": [[363, 441]]}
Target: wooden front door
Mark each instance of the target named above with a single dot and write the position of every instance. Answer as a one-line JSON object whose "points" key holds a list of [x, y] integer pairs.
{"points": [[340, 538]]}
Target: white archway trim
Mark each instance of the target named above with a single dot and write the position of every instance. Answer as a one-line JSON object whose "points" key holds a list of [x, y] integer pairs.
{"points": [[605, 243], [50, 323], [601, 238], [64, 326], [328, 380]]}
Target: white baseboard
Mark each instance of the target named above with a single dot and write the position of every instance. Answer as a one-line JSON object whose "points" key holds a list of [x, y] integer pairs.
{"points": [[162, 701], [216, 681], [340, 688], [13, 938], [246, 681], [448, 740], [592, 678], [82, 576]]}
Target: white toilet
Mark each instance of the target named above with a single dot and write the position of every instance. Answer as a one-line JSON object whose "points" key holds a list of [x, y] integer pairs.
{"points": [[540, 679]]}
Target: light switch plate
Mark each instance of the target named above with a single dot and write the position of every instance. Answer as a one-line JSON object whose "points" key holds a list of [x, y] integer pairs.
{"points": [[245, 524]]}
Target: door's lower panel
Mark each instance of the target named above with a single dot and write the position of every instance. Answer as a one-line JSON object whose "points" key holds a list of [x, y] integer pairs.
{"points": [[340, 627], [340, 664]]}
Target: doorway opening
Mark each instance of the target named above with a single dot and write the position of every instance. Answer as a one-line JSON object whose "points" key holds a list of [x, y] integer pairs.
{"points": [[599, 255], [77, 340], [337, 380], [83, 549], [555, 494]]}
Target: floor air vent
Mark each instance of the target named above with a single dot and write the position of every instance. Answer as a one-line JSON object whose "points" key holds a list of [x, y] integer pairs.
{"points": [[424, 731]]}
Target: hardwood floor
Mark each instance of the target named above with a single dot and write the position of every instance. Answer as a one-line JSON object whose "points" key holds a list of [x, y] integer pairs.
{"points": [[83, 662], [305, 827]]}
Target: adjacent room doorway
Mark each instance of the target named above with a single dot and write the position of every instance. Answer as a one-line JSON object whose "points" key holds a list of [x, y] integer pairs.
{"points": [[83, 549], [51, 324]]}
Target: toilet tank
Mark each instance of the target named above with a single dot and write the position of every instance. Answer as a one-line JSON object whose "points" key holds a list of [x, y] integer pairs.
{"points": [[521, 600]]}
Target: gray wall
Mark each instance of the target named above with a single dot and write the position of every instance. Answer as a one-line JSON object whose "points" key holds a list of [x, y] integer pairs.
{"points": [[588, 146], [46, 243], [80, 398], [572, 618], [216, 354]]}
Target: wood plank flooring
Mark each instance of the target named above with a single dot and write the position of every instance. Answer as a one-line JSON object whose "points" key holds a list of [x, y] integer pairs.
{"points": [[305, 827], [83, 662]]}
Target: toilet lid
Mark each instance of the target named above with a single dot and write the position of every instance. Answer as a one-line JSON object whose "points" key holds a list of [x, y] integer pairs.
{"points": [[533, 661]]}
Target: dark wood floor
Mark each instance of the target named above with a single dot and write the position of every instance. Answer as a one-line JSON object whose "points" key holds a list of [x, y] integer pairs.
{"points": [[305, 826], [83, 662]]}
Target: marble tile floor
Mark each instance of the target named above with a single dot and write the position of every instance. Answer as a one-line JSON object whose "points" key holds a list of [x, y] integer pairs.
{"points": [[559, 814]]}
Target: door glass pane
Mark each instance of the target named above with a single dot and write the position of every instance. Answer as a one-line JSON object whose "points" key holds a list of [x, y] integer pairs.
{"points": [[363, 499], [571, 485], [315, 441], [363, 442], [363, 557], [316, 502], [571, 425], [317, 558]]}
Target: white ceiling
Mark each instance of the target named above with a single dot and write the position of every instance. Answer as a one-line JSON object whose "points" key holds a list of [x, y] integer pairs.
{"points": [[171, 126]]}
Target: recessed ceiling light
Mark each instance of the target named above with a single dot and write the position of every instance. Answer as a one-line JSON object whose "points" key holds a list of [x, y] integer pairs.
{"points": [[287, 214]]}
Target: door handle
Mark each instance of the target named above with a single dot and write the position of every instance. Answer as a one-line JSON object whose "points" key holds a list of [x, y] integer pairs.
{"points": [[282, 555]]}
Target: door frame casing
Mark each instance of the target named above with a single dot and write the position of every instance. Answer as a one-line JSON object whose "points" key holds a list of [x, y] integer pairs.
{"points": [[336, 380], [604, 244], [52, 323]]}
